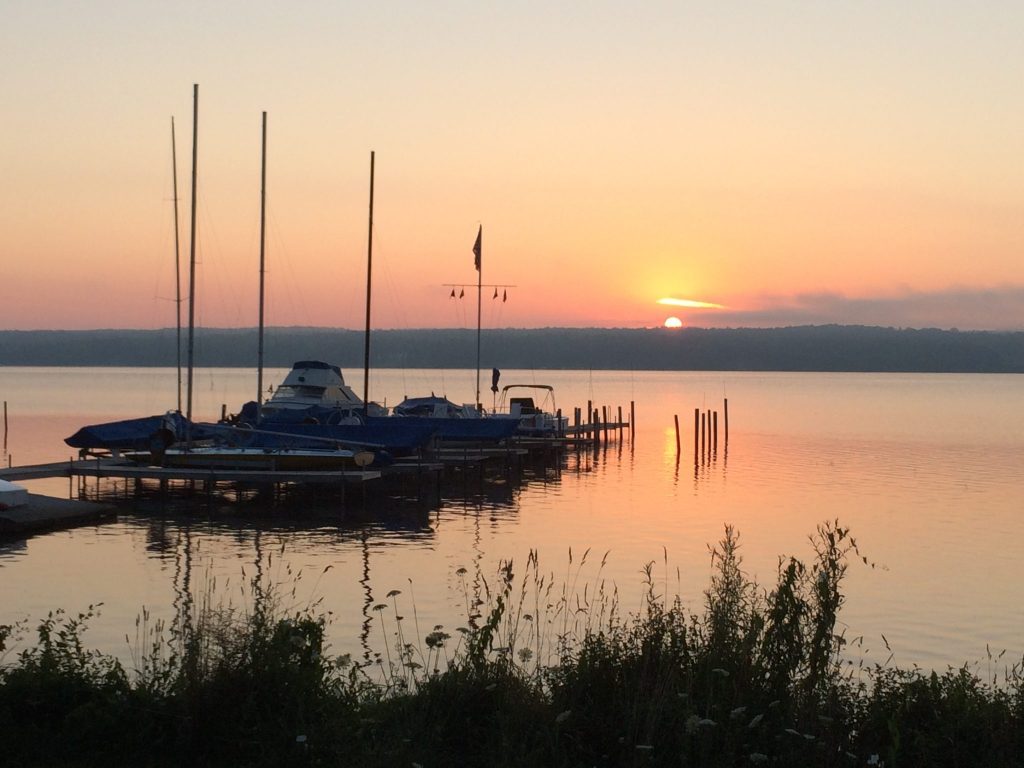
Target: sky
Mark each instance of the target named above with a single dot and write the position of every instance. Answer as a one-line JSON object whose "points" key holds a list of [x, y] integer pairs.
{"points": [[788, 162]]}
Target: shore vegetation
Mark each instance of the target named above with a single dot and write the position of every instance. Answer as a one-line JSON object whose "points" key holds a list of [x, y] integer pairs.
{"points": [[544, 672]]}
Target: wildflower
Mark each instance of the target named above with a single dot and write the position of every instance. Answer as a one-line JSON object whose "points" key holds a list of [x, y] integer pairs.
{"points": [[525, 654], [874, 760]]}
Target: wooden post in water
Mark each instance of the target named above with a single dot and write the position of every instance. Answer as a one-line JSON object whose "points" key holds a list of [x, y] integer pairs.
{"points": [[591, 425], [223, 411], [716, 432], [678, 445], [703, 433], [708, 414], [597, 427], [604, 421], [632, 419], [5, 425], [620, 423], [558, 424], [727, 422], [696, 432]]}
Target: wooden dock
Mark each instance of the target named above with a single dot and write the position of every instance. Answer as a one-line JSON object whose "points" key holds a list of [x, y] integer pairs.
{"points": [[110, 468]]}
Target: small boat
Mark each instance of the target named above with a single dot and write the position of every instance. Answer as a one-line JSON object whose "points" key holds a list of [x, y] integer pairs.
{"points": [[280, 459], [313, 392], [144, 433], [452, 423], [532, 420], [435, 407]]}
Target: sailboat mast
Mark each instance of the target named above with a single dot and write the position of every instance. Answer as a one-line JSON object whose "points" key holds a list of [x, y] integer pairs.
{"points": [[369, 275], [177, 256], [192, 251], [263, 239]]}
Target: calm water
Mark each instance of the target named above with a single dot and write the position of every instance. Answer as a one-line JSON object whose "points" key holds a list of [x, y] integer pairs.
{"points": [[927, 471]]}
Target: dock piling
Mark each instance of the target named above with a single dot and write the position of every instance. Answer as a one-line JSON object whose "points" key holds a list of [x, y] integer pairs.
{"points": [[696, 432], [678, 445]]}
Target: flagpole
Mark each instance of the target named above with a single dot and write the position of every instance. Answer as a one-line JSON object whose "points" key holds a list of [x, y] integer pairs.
{"points": [[478, 250]]}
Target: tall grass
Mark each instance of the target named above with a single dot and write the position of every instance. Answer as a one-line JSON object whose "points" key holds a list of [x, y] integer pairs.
{"points": [[544, 671]]}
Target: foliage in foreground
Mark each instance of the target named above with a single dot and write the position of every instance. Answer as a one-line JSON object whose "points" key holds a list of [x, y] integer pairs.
{"points": [[541, 675]]}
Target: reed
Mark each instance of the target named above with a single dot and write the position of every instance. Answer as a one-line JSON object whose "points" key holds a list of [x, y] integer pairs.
{"points": [[545, 671]]}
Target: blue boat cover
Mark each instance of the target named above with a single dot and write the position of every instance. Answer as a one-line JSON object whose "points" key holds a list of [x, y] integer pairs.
{"points": [[136, 434]]}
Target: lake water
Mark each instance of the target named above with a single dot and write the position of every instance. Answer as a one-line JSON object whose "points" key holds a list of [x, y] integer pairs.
{"points": [[926, 470]]}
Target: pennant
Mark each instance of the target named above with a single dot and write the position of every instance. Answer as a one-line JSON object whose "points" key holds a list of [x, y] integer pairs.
{"points": [[477, 247], [495, 375], [504, 296], [462, 292], [495, 294], [453, 293]]}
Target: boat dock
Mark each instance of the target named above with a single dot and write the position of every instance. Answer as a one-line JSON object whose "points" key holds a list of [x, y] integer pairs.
{"points": [[97, 483]]}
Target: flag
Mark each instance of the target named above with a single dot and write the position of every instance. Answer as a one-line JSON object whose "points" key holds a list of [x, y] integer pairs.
{"points": [[495, 375], [477, 247]]}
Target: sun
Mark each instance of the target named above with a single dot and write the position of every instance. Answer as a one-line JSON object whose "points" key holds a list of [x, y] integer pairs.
{"points": [[673, 322]]}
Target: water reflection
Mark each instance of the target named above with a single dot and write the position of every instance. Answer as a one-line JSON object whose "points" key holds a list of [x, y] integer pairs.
{"points": [[927, 497]]}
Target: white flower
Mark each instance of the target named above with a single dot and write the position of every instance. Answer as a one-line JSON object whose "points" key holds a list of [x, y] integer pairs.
{"points": [[692, 724]]}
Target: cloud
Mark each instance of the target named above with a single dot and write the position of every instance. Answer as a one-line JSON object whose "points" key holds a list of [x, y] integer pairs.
{"points": [[999, 308]]}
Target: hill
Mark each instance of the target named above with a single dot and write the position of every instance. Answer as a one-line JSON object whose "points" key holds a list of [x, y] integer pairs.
{"points": [[803, 348]]}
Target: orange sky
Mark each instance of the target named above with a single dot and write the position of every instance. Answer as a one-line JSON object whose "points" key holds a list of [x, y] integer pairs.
{"points": [[791, 162]]}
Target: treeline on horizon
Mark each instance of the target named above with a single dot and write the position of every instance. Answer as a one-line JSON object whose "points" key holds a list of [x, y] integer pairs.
{"points": [[801, 348]]}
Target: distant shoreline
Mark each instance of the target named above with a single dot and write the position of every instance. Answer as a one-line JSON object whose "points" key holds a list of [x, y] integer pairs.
{"points": [[822, 348]]}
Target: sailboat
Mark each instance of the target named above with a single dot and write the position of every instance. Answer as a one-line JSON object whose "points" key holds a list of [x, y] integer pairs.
{"points": [[159, 431]]}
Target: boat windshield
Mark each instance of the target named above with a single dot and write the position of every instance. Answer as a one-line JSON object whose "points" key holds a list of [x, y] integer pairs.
{"points": [[289, 391]]}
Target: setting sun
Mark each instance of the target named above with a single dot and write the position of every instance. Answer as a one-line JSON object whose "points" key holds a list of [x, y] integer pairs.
{"points": [[673, 322]]}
